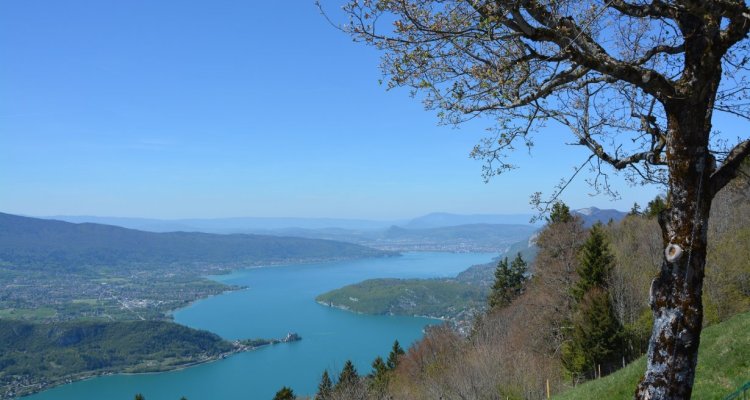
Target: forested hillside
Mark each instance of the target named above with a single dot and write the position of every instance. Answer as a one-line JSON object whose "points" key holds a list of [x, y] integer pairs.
{"points": [[583, 314], [35, 356]]}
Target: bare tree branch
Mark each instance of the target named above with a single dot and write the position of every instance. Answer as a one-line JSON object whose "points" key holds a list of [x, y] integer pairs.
{"points": [[729, 168]]}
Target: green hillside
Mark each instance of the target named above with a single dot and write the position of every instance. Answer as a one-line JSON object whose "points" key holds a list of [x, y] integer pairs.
{"points": [[723, 366], [36, 356], [442, 298]]}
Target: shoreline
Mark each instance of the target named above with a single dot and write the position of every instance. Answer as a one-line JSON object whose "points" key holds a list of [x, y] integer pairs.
{"points": [[230, 288], [347, 309], [83, 376]]}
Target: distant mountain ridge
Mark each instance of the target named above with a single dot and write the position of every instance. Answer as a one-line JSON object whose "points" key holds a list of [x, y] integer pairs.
{"points": [[33, 241], [439, 220], [228, 225], [591, 215]]}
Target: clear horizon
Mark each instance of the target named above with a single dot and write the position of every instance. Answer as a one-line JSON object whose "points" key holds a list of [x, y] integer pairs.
{"points": [[219, 110]]}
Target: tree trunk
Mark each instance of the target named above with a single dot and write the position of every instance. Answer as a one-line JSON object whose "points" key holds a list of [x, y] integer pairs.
{"points": [[676, 291]]}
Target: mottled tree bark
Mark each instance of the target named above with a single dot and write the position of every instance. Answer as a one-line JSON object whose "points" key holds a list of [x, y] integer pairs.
{"points": [[676, 293]]}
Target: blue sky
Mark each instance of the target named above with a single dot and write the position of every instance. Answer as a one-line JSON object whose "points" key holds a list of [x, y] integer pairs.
{"points": [[234, 108]]}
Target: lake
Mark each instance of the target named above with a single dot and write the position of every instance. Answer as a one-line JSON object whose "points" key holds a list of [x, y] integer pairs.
{"points": [[279, 300]]}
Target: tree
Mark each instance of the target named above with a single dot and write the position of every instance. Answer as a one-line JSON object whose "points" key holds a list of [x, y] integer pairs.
{"points": [[379, 377], [509, 282], [597, 334], [595, 263], [395, 354], [285, 393], [560, 213], [596, 339], [655, 207], [348, 377], [140, 397], [635, 82], [325, 387], [635, 210]]}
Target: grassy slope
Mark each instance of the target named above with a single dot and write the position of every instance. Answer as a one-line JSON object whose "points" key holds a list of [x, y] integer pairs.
{"points": [[723, 366]]}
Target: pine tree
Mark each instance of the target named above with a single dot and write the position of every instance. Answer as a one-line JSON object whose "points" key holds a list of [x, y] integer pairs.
{"points": [[597, 336], [595, 262], [285, 393], [509, 282], [140, 397], [560, 213], [348, 376], [655, 207], [393, 357], [325, 387], [636, 210], [379, 377]]}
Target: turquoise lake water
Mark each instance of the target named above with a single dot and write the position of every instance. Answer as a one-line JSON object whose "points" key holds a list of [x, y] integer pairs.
{"points": [[280, 300]]}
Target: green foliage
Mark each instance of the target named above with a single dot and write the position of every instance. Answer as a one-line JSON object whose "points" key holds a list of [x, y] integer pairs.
{"points": [[597, 337], [431, 297], [325, 387], [285, 393], [509, 282], [348, 377], [378, 380], [560, 213], [595, 262], [139, 397], [655, 207], [56, 352], [637, 333], [635, 210], [728, 276], [395, 355], [724, 362]]}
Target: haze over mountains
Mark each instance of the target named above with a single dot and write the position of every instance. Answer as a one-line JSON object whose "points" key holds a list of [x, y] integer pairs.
{"points": [[32, 241], [265, 224], [431, 232]]}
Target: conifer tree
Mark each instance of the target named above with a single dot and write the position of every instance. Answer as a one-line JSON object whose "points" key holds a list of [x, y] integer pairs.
{"points": [[348, 376], [635, 210], [285, 393], [595, 262], [393, 357], [379, 377], [560, 213], [655, 207], [509, 282], [596, 336], [140, 397], [325, 387]]}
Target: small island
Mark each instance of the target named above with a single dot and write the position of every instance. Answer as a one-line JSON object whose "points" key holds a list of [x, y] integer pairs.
{"points": [[252, 344]]}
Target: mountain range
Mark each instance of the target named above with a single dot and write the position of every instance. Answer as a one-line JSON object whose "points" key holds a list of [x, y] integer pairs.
{"points": [[42, 242]]}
